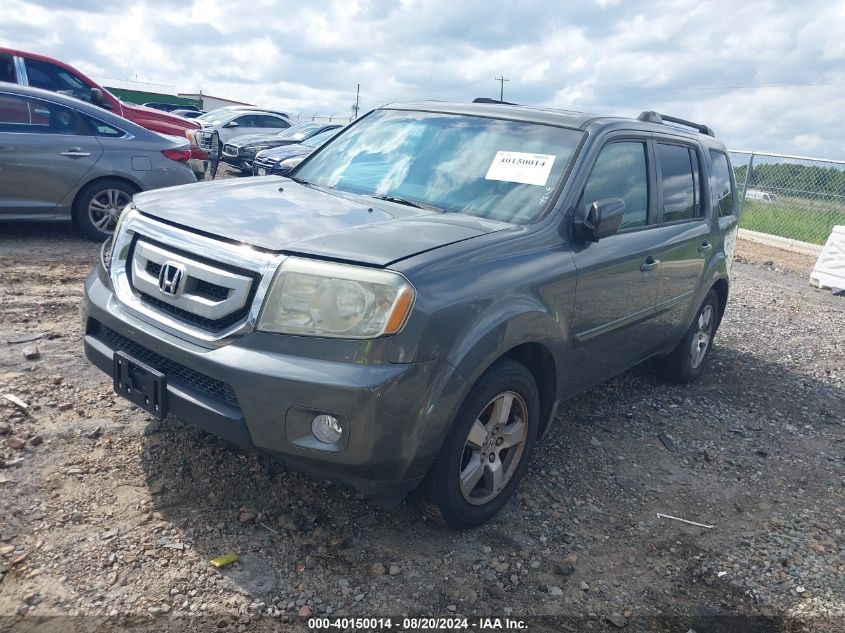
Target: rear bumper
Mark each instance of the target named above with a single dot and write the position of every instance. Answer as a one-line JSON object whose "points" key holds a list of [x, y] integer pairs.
{"points": [[272, 398]]}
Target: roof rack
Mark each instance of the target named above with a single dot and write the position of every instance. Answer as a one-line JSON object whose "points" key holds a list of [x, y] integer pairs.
{"points": [[489, 100], [650, 116]]}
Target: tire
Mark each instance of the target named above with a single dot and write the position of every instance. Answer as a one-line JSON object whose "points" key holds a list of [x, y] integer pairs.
{"points": [[98, 206], [687, 361], [474, 437]]}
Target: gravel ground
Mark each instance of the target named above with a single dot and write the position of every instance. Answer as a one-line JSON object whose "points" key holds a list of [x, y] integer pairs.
{"points": [[110, 515]]}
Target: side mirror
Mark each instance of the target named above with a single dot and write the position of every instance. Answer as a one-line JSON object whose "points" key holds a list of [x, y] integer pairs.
{"points": [[603, 219], [97, 97], [232, 124]]}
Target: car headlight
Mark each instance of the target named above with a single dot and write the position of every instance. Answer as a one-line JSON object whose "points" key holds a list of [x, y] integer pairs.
{"points": [[335, 300], [290, 163], [124, 213]]}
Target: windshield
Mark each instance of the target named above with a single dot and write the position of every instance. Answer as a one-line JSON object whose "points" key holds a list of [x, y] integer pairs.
{"points": [[491, 168], [322, 137], [299, 131]]}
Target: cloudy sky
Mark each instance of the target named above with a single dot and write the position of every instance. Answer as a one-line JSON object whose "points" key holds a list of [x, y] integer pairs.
{"points": [[765, 75]]}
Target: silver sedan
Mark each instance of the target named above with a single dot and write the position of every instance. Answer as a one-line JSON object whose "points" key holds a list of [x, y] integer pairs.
{"points": [[61, 158]]}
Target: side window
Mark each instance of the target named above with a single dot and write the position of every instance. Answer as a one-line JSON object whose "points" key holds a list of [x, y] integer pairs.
{"points": [[621, 172], [33, 116], [248, 120], [721, 185], [99, 128], [56, 79], [274, 122], [679, 177], [7, 68]]}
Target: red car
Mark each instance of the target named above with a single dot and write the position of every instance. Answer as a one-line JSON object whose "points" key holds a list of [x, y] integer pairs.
{"points": [[39, 71]]}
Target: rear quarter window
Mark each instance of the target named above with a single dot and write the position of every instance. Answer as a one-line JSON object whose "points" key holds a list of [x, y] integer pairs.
{"points": [[721, 184], [679, 182]]}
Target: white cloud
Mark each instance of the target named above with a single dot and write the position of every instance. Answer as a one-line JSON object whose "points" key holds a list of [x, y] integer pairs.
{"points": [[764, 74]]}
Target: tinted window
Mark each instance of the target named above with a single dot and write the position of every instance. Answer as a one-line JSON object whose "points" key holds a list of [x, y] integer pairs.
{"points": [[25, 115], [51, 77], [677, 166], [720, 184], [104, 129], [621, 172], [7, 68], [274, 122]]}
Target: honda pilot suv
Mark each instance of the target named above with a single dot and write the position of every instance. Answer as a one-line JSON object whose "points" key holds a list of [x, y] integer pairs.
{"points": [[411, 306]]}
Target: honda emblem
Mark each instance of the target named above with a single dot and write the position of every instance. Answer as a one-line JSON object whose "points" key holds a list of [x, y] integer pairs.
{"points": [[170, 278]]}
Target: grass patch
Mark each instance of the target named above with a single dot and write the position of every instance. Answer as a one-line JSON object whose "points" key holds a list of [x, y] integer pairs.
{"points": [[811, 223]]}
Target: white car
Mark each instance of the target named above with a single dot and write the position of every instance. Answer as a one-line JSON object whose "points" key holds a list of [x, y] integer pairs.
{"points": [[230, 123], [763, 196]]}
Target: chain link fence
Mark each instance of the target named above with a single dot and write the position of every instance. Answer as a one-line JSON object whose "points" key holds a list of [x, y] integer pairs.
{"points": [[790, 196]]}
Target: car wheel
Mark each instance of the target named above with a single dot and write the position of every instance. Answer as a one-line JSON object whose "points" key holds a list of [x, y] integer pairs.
{"points": [[687, 361], [487, 449], [99, 205]]}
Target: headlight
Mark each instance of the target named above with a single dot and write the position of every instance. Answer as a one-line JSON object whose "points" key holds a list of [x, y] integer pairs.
{"points": [[129, 208], [256, 149], [290, 163], [335, 300]]}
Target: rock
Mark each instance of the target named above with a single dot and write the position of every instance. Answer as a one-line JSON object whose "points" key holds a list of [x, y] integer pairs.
{"points": [[246, 516], [30, 352], [378, 569], [584, 586], [394, 570], [65, 406], [452, 607], [6, 550], [109, 534], [157, 488], [555, 591], [74, 471], [4, 428], [36, 440], [616, 620], [595, 441], [15, 443], [800, 589], [304, 613]]}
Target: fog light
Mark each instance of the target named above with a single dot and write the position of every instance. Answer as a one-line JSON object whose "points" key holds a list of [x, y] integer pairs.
{"points": [[326, 428]]}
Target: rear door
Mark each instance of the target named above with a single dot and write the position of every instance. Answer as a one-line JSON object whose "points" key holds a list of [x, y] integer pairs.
{"points": [[613, 325], [45, 150], [684, 228]]}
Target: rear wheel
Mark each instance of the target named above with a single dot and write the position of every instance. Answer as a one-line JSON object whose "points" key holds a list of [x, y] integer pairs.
{"points": [[687, 361], [99, 205], [487, 449]]}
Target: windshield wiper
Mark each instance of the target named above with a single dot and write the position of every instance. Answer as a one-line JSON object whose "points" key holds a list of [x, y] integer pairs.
{"points": [[410, 203]]}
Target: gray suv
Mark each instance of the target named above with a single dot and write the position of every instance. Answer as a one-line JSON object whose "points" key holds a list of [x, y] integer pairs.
{"points": [[412, 305]]}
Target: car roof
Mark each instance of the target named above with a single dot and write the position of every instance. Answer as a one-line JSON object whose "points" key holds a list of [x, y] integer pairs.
{"points": [[77, 104], [584, 121]]}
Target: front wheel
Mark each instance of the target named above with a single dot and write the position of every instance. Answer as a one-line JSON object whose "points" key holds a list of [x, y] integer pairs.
{"points": [[687, 361], [487, 450]]}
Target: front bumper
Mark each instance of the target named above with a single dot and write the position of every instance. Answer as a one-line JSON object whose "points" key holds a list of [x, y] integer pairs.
{"points": [[256, 397]]}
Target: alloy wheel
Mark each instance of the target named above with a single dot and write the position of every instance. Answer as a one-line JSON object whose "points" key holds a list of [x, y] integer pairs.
{"points": [[493, 448], [105, 208], [701, 338]]}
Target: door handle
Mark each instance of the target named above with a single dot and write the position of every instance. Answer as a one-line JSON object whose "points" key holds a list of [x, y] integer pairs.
{"points": [[75, 152], [704, 247], [649, 264]]}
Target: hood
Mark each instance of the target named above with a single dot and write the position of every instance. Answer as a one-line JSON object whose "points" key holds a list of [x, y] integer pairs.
{"points": [[283, 216], [278, 154], [260, 139]]}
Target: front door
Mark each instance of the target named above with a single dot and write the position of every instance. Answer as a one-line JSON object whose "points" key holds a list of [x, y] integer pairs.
{"points": [[45, 149], [618, 277]]}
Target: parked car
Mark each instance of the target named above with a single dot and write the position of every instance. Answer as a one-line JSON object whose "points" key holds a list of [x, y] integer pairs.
{"points": [[279, 161], [188, 114], [241, 151], [61, 158], [410, 307], [233, 122], [39, 71], [171, 107], [762, 196]]}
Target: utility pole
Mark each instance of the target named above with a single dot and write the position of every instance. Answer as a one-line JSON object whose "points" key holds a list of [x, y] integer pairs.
{"points": [[502, 79], [355, 107]]}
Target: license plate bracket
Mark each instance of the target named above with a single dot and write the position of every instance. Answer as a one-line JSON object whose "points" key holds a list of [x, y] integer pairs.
{"points": [[140, 384]]}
